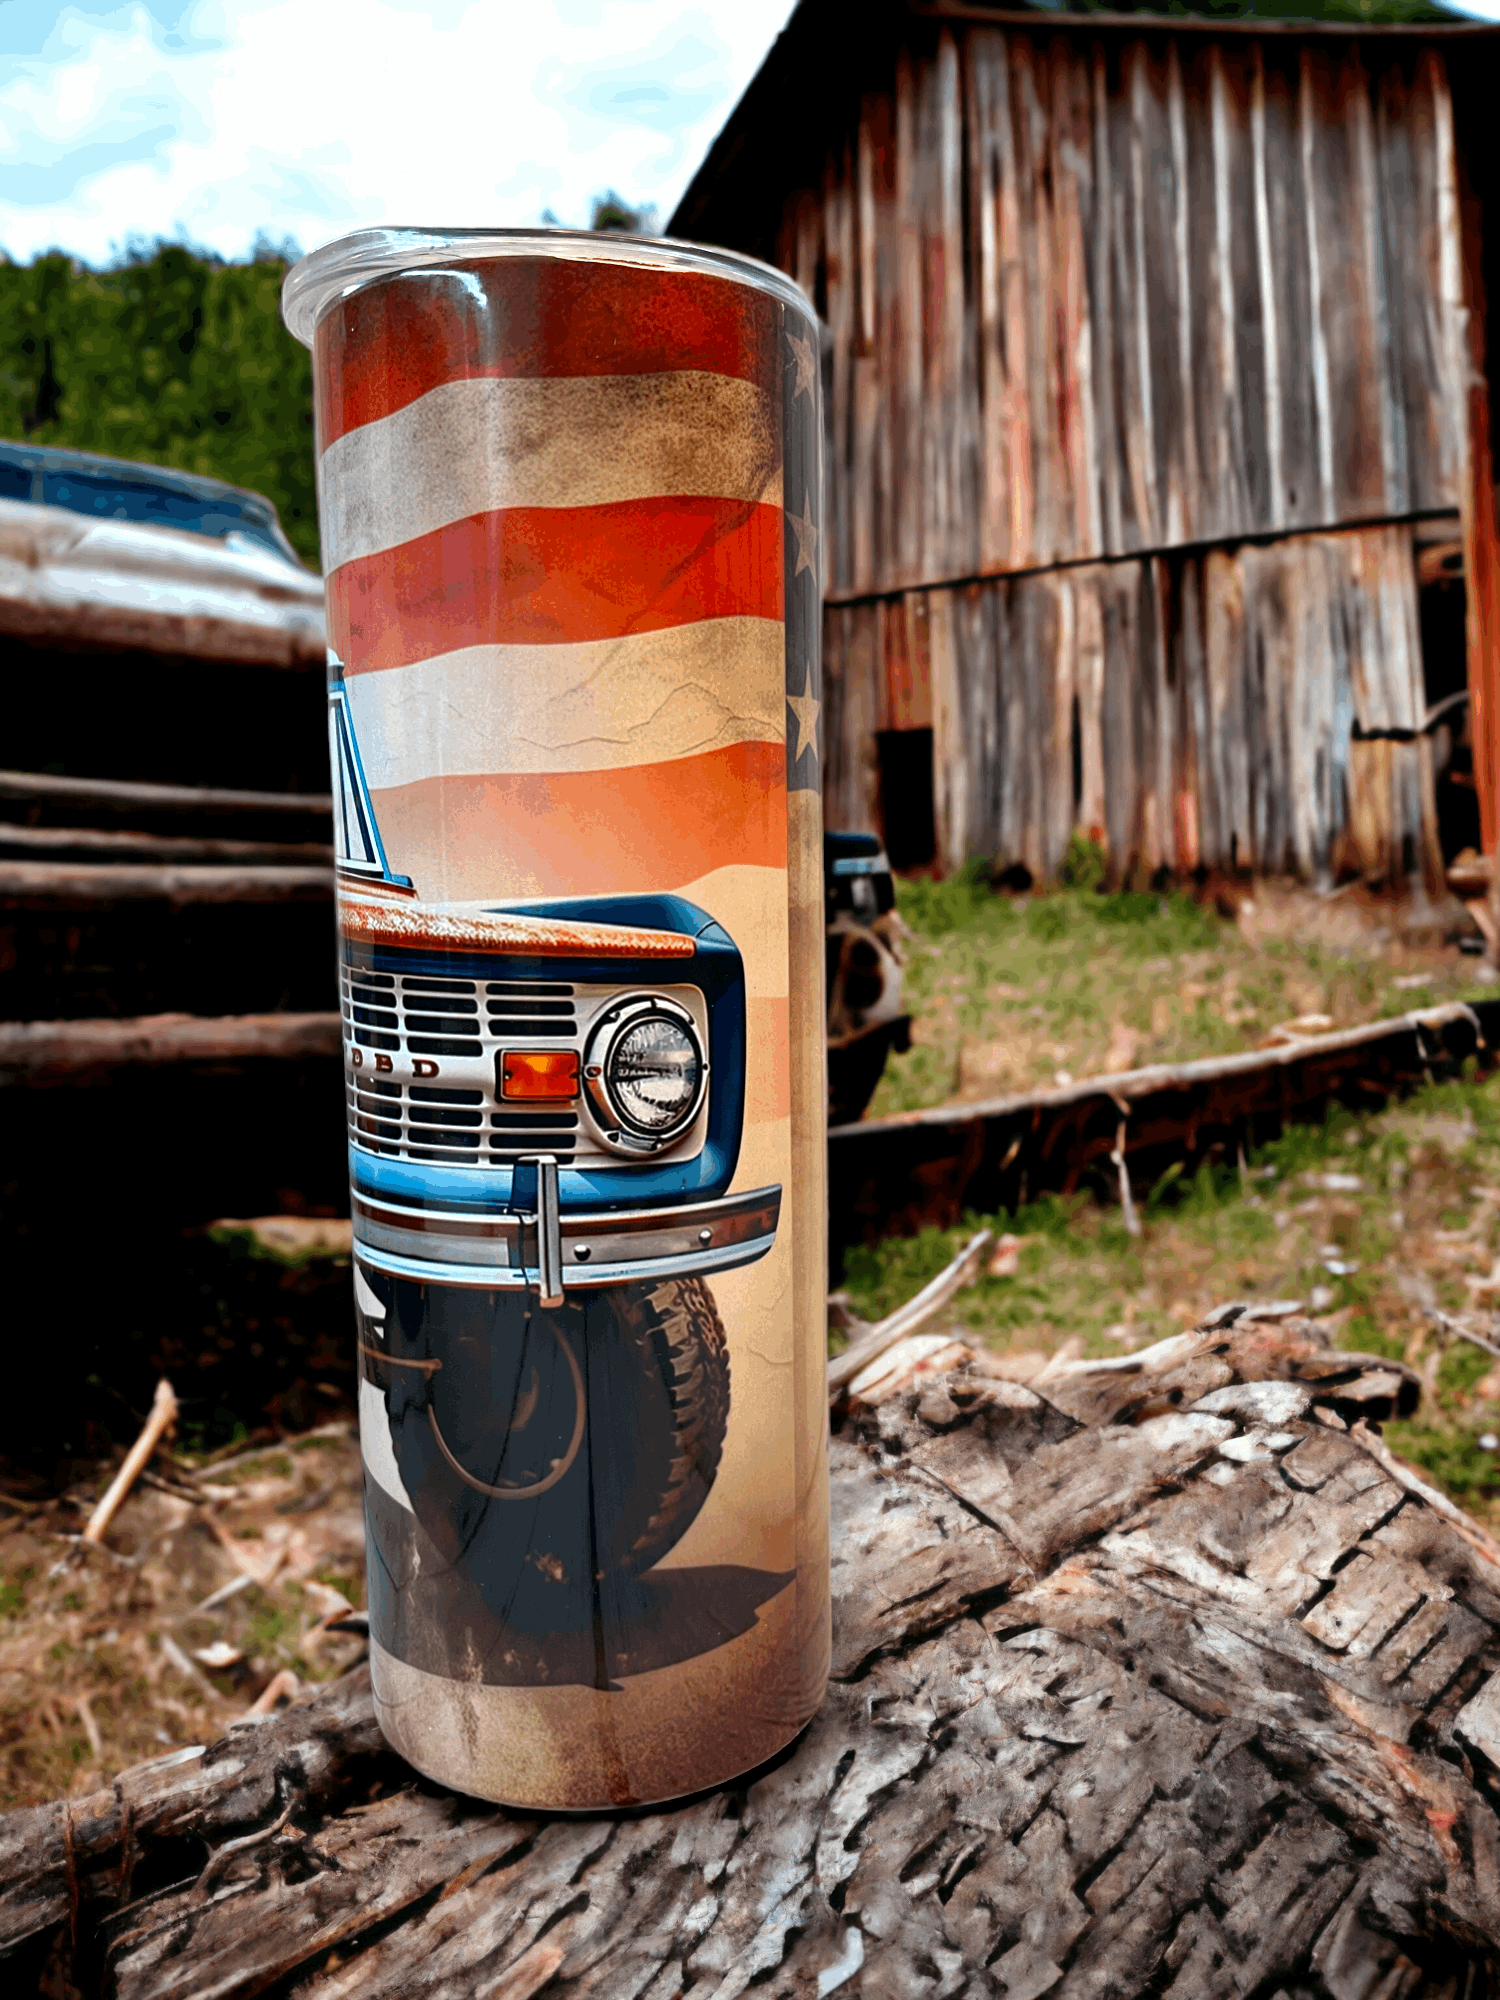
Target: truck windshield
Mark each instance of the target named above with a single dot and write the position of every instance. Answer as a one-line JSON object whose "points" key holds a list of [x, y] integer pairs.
{"points": [[114, 489]]}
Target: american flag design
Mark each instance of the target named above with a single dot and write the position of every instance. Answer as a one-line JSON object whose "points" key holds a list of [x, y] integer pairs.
{"points": [[571, 517]]}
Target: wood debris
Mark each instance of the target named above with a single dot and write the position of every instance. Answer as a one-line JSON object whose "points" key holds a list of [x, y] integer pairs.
{"points": [[158, 1423]]}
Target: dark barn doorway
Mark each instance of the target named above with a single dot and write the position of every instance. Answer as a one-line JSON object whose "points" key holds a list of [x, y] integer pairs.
{"points": [[905, 760]]}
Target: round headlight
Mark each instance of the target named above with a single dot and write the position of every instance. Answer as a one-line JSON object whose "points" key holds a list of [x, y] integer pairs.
{"points": [[654, 1075]]}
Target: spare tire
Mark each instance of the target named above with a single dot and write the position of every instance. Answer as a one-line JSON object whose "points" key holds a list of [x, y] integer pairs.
{"points": [[679, 1339], [546, 1451]]}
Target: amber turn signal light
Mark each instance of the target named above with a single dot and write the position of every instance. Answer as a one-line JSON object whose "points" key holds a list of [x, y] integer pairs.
{"points": [[547, 1074]]}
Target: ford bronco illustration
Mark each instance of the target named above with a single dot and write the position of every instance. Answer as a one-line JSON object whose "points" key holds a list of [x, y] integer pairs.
{"points": [[545, 1109], [547, 1095]]}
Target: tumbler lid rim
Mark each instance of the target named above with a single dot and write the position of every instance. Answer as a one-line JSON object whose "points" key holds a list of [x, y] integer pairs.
{"points": [[327, 276]]}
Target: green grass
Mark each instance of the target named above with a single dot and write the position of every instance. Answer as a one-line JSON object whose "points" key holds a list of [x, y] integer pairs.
{"points": [[1424, 1167], [1009, 992]]}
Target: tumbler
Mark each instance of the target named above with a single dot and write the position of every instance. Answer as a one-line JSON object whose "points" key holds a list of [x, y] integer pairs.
{"points": [[569, 491]]}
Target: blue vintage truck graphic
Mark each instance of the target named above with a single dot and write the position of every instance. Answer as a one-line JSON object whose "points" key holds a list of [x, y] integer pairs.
{"points": [[547, 1095]]}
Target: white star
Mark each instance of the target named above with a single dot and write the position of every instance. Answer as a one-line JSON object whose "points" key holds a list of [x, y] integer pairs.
{"points": [[804, 363], [806, 709], [807, 536]]}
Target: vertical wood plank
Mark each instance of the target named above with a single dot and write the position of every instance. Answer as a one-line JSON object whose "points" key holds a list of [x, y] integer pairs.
{"points": [[973, 628], [1296, 427], [866, 258], [1102, 310], [1309, 708], [1385, 364], [862, 699], [1198, 707], [1122, 681], [1140, 400], [1038, 300], [1153, 735], [1465, 311], [1162, 607], [1188, 511], [887, 615], [1322, 389], [1088, 614], [950, 765], [1348, 318], [872, 474], [1057, 822], [1224, 620], [1229, 455], [1016, 421], [1407, 142], [1041, 595], [984, 65], [838, 238], [947, 405], [1435, 399], [1072, 195], [906, 428], [1275, 515]]}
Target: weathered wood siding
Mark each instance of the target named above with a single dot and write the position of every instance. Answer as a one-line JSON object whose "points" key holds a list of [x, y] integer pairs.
{"points": [[1093, 296], [1191, 708]]}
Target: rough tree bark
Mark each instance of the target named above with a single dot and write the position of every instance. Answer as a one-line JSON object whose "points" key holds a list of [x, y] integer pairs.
{"points": [[1167, 1681]]}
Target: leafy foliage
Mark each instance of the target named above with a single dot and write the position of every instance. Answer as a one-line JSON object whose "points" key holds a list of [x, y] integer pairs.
{"points": [[171, 358]]}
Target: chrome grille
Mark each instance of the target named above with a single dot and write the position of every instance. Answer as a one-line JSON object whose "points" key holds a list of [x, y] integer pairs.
{"points": [[412, 1024]]}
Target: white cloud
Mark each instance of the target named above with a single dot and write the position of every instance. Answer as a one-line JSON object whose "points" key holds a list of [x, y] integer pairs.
{"points": [[311, 117]]}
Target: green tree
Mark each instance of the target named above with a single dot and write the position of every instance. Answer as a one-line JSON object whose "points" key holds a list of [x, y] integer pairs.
{"points": [[171, 358]]}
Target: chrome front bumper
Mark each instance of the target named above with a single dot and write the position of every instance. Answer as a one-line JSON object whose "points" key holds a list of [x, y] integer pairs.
{"points": [[551, 1253]]}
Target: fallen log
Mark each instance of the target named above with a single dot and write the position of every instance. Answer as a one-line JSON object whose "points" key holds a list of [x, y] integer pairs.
{"points": [[52, 884], [39, 790], [1175, 1691], [70, 843], [919, 1167], [34, 1052]]}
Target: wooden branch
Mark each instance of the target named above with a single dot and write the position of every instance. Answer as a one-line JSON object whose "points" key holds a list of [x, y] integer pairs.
{"points": [[53, 1051], [1199, 1703], [1452, 1325], [48, 884], [123, 796], [907, 1318], [158, 1423]]}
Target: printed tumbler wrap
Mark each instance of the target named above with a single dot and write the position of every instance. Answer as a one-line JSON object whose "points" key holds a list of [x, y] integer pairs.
{"points": [[570, 516]]}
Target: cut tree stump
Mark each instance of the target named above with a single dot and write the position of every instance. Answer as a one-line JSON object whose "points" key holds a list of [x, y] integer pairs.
{"points": [[1166, 1681]]}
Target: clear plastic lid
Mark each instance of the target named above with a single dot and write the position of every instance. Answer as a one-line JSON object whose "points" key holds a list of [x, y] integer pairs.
{"points": [[328, 275]]}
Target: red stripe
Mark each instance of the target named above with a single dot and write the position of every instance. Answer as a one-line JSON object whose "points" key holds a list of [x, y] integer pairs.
{"points": [[389, 343], [653, 826], [550, 575]]}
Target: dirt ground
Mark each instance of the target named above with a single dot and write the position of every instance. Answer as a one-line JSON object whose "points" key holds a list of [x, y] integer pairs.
{"points": [[215, 1588]]}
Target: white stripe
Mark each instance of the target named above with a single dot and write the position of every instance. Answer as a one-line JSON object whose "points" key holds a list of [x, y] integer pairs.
{"points": [[375, 1445], [559, 441], [597, 705]]}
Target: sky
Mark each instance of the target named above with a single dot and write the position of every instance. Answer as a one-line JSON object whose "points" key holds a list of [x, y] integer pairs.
{"points": [[217, 122]]}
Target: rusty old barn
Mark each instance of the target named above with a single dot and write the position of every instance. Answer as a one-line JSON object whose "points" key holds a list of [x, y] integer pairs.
{"points": [[1161, 498]]}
